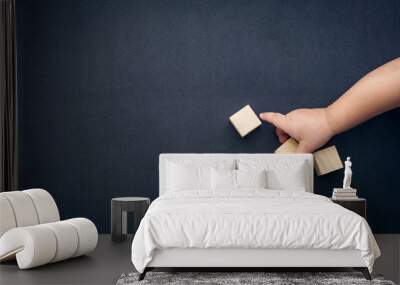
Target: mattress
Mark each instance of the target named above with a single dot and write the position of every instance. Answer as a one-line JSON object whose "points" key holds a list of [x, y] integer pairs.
{"points": [[251, 219]]}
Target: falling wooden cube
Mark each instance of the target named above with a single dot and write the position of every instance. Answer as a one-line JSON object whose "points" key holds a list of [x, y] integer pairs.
{"points": [[327, 160], [245, 120], [288, 146]]}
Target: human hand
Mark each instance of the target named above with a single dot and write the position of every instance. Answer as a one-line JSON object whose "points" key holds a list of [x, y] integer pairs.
{"points": [[310, 127], [375, 93]]}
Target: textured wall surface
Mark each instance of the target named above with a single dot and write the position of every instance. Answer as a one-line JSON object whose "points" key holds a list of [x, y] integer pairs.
{"points": [[105, 86]]}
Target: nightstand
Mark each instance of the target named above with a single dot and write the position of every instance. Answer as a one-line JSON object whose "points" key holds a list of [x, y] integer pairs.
{"points": [[119, 209], [357, 205]]}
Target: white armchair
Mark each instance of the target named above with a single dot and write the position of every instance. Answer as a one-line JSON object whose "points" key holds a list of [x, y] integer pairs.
{"points": [[31, 230]]}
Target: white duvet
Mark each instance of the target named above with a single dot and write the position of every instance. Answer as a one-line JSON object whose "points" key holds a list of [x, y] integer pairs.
{"points": [[250, 219]]}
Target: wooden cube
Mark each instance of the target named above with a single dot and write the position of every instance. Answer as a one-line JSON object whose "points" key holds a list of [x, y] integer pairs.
{"points": [[288, 146], [327, 160], [245, 120]]}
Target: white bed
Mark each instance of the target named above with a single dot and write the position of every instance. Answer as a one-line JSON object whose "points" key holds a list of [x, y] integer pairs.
{"points": [[249, 227]]}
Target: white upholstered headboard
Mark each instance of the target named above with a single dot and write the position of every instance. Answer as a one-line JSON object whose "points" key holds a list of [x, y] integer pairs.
{"points": [[165, 157]]}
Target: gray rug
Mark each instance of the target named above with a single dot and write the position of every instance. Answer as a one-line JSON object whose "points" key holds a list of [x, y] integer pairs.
{"points": [[269, 278]]}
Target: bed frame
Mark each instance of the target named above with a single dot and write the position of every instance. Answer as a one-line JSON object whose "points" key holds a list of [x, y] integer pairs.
{"points": [[246, 258]]}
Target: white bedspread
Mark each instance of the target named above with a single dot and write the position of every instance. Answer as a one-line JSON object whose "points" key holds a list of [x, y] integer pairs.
{"points": [[250, 219]]}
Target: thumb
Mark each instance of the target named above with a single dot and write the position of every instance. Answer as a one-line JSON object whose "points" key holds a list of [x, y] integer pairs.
{"points": [[277, 119]]}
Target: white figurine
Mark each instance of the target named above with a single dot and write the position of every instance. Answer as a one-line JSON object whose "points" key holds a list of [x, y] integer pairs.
{"points": [[348, 173]]}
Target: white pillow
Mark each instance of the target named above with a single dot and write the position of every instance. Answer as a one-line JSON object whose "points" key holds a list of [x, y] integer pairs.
{"points": [[182, 177], [193, 175], [251, 178], [223, 179], [237, 179], [281, 174], [293, 179]]}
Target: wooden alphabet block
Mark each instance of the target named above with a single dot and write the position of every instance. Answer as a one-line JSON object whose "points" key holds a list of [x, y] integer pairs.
{"points": [[288, 146], [245, 120], [327, 160]]}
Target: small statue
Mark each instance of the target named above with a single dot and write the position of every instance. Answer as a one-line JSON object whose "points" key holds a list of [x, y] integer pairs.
{"points": [[348, 173]]}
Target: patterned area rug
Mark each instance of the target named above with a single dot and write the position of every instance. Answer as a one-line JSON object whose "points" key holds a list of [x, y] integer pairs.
{"points": [[269, 278]]}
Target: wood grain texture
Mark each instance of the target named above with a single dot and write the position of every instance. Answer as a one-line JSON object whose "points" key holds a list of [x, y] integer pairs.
{"points": [[245, 120], [288, 147], [327, 160]]}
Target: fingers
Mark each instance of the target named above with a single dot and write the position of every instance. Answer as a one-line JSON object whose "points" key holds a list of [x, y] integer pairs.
{"points": [[282, 136], [277, 119]]}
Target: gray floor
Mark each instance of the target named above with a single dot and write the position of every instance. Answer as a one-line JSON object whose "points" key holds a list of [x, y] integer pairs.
{"points": [[103, 266], [110, 260], [389, 262]]}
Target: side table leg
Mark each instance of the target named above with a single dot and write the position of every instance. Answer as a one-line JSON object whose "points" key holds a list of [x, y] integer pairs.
{"points": [[116, 222], [124, 222]]}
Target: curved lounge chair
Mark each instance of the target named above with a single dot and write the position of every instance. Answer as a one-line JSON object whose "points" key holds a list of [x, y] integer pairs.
{"points": [[32, 233]]}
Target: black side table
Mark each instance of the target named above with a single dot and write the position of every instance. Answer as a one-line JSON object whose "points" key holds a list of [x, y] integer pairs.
{"points": [[119, 211], [357, 205]]}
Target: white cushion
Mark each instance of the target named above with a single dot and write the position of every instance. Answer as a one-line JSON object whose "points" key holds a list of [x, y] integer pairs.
{"points": [[189, 175], [45, 205], [33, 246], [7, 218], [23, 208], [223, 179], [40, 244], [251, 178], [67, 238], [281, 174], [237, 179], [87, 233], [210, 158], [26, 208]]}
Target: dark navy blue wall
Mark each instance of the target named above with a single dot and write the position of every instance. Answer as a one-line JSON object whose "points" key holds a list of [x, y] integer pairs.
{"points": [[105, 86]]}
